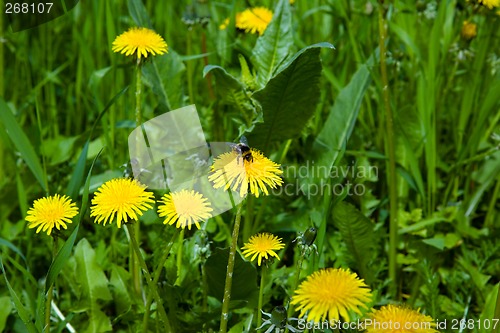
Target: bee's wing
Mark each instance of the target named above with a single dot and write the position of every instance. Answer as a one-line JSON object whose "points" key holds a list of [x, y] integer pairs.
{"points": [[244, 140], [232, 145]]}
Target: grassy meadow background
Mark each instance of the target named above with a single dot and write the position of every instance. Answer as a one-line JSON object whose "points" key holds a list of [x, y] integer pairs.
{"points": [[423, 230]]}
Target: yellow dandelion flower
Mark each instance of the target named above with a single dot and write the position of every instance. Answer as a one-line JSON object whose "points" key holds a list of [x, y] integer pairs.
{"points": [[490, 3], [230, 170], [262, 245], [140, 41], [331, 293], [122, 198], [184, 207], [50, 212], [398, 319], [254, 20], [469, 30]]}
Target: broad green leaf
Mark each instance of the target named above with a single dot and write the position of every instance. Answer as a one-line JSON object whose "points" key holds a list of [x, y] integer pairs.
{"points": [[164, 74], [139, 13], [357, 232], [489, 313], [289, 99], [119, 282], [94, 285], [5, 310], [273, 47], [244, 277], [231, 91], [22, 311], [59, 149], [22, 144], [340, 122]]}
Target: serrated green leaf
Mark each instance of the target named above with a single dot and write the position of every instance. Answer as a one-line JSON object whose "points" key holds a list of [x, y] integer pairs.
{"points": [[273, 47], [139, 13], [231, 91], [246, 76], [289, 98], [119, 284], [244, 277], [164, 75], [357, 232], [22, 144], [94, 285]]}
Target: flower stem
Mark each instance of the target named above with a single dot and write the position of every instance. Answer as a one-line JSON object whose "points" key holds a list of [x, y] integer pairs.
{"points": [[51, 289], [156, 277], [138, 94], [391, 152], [261, 295], [149, 280], [134, 262], [229, 274]]}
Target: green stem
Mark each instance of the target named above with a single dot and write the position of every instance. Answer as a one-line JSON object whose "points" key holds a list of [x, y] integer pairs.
{"points": [[156, 278], [189, 65], [149, 280], [389, 122], [50, 293], [134, 264], [179, 257], [261, 295], [138, 94], [229, 274]]}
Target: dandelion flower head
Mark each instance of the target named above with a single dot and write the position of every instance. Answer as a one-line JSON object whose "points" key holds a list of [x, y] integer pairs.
{"points": [[330, 294], [230, 170], [402, 319], [490, 3], [141, 42], [123, 198], [262, 245], [469, 30], [52, 211], [254, 20], [184, 208]]}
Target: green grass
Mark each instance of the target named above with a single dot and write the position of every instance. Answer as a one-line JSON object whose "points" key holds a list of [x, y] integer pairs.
{"points": [[67, 107]]}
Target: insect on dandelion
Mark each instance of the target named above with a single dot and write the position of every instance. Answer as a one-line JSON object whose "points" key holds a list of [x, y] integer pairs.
{"points": [[184, 208], [330, 294], [262, 246], [140, 42], [123, 198], [230, 171], [401, 319], [52, 211]]}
